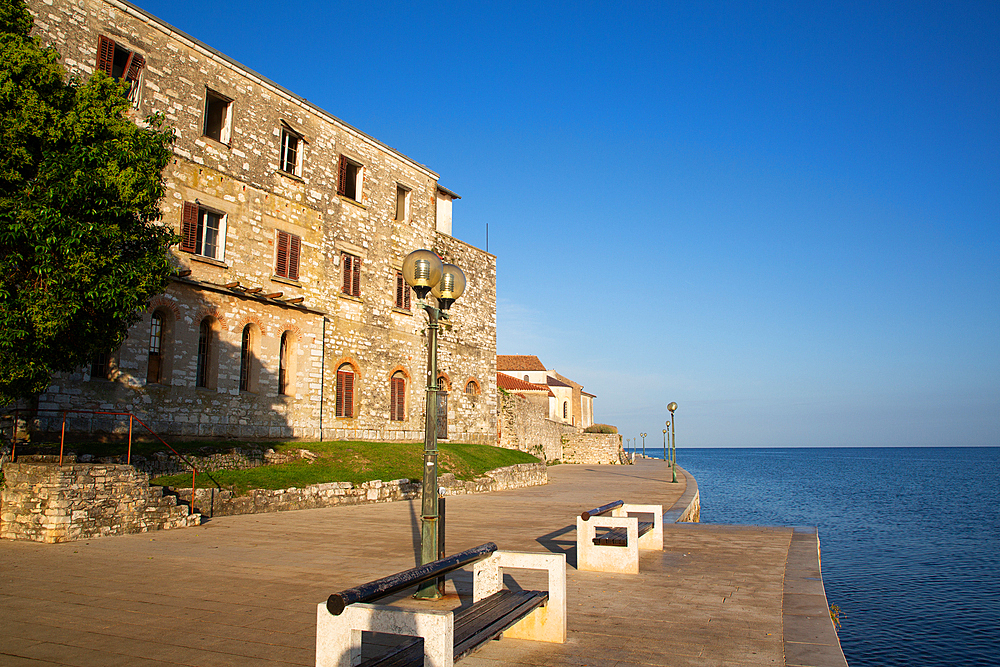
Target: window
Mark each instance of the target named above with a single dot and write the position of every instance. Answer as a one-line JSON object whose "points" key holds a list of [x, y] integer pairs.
{"points": [[218, 117], [352, 275], [153, 371], [285, 378], [351, 177], [120, 63], [402, 203], [345, 391], [246, 359], [472, 388], [402, 292], [397, 397], [565, 409], [203, 231], [205, 377], [286, 264], [100, 366], [526, 377], [291, 151]]}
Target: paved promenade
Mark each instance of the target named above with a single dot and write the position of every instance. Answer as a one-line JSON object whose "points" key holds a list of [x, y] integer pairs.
{"points": [[242, 591]]}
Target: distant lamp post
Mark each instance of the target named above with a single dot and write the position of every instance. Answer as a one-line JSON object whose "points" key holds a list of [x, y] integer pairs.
{"points": [[425, 272], [665, 443], [673, 438], [643, 444]]}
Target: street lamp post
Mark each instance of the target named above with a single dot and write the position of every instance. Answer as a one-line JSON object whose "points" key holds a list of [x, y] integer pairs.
{"points": [[673, 437], [424, 271], [643, 444], [665, 443]]}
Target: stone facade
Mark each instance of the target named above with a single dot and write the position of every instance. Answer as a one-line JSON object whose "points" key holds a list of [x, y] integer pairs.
{"points": [[594, 448], [524, 425], [250, 347], [46, 502], [215, 502]]}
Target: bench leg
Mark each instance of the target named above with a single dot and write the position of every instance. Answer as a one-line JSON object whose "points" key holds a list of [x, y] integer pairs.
{"points": [[592, 557], [338, 638], [548, 623]]}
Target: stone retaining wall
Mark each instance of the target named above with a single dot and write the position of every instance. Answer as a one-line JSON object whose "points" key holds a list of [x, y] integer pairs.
{"points": [[216, 502], [48, 502], [525, 426], [594, 448]]}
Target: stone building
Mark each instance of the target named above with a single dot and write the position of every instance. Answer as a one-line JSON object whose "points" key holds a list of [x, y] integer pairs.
{"points": [[567, 402], [288, 316]]}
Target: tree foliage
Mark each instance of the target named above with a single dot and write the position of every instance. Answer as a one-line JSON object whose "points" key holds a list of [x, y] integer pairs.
{"points": [[81, 251]]}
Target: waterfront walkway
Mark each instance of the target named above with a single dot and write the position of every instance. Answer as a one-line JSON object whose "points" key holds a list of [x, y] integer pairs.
{"points": [[243, 590]]}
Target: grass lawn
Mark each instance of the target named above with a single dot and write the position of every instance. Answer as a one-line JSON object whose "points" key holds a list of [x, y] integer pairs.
{"points": [[356, 462]]}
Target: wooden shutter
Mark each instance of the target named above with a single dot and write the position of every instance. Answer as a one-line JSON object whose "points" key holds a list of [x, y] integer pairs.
{"points": [[189, 227], [342, 181], [347, 265], [136, 64], [348, 394], [397, 395], [399, 289], [105, 54], [294, 246], [356, 278], [281, 258], [406, 296]]}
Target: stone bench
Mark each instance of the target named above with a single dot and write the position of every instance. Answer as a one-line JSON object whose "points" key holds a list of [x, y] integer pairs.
{"points": [[608, 539], [442, 636]]}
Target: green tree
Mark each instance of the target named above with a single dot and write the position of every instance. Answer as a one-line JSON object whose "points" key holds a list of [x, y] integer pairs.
{"points": [[81, 249]]}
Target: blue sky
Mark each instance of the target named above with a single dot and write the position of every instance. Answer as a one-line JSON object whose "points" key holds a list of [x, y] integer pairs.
{"points": [[783, 216]]}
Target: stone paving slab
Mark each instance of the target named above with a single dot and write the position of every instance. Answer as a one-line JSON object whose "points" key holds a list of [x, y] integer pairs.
{"points": [[242, 591]]}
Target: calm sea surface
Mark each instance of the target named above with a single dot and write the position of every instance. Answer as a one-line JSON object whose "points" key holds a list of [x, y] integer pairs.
{"points": [[910, 539]]}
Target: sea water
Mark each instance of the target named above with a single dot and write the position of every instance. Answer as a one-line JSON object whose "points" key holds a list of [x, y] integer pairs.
{"points": [[910, 539]]}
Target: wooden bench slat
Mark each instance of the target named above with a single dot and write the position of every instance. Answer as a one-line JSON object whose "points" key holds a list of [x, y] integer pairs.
{"points": [[618, 537], [474, 626], [516, 606]]}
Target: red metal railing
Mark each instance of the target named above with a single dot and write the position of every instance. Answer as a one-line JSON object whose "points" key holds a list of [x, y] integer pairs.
{"points": [[131, 420]]}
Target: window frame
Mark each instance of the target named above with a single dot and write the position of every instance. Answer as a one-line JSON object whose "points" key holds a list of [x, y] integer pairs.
{"points": [[226, 124], [345, 391], [287, 253], [194, 230], [402, 193], [350, 264], [287, 135], [132, 69], [205, 354], [350, 183], [397, 397]]}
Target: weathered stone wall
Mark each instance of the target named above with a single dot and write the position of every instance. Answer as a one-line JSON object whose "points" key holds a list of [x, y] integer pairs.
{"points": [[238, 458], [46, 502], [525, 426], [215, 502], [594, 448], [328, 328]]}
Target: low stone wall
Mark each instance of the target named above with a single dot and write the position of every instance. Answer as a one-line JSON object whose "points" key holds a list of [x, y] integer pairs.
{"points": [[221, 502], [525, 426], [594, 448], [47, 502]]}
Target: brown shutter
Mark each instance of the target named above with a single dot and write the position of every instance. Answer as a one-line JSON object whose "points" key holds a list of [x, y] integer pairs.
{"points": [[406, 296], [347, 263], [340, 393], [397, 398], [399, 289], [105, 54], [189, 227], [138, 62], [342, 181], [281, 260], [348, 394], [294, 245], [356, 285]]}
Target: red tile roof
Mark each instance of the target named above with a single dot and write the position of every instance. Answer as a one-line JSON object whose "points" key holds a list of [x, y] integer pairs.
{"points": [[509, 383], [519, 362]]}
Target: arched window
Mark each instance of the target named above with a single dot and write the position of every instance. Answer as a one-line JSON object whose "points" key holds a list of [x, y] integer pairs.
{"points": [[565, 409], [246, 359], [526, 377], [397, 397], [472, 388], [345, 391], [286, 378], [206, 375]]}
